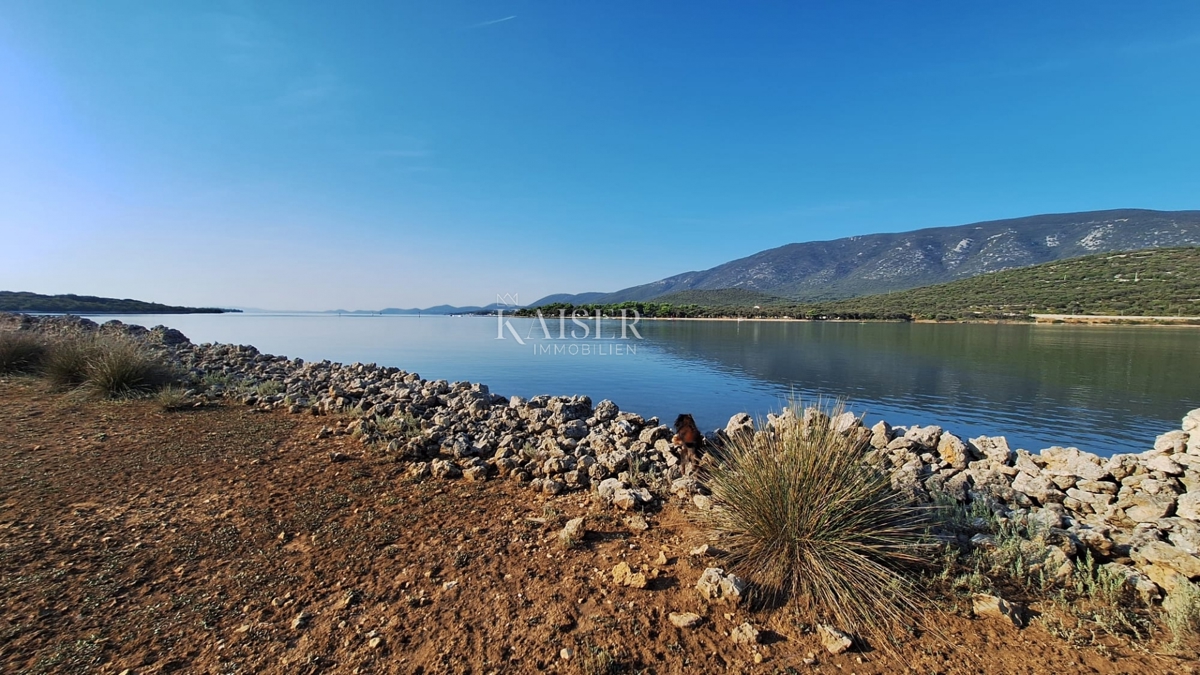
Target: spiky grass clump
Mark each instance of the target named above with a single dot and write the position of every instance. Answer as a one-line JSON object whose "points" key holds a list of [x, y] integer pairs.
{"points": [[122, 367], [20, 352], [803, 518], [67, 359]]}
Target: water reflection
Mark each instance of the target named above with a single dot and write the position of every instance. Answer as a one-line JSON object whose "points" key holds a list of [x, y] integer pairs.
{"points": [[1104, 389]]}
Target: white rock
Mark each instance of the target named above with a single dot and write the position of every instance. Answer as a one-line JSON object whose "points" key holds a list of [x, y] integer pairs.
{"points": [[1165, 464], [714, 584], [994, 448], [834, 640], [1188, 506], [745, 634], [993, 606], [684, 620]]}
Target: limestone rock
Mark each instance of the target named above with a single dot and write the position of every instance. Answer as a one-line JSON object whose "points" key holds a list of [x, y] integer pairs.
{"points": [[881, 435], [608, 487], [1037, 487], [1188, 506], [993, 606], [1164, 464], [834, 640], [684, 620], [745, 634], [1172, 442], [714, 584], [1145, 508], [739, 425], [623, 575], [994, 448], [925, 437], [629, 498], [1165, 555], [953, 451], [1073, 462], [573, 532]]}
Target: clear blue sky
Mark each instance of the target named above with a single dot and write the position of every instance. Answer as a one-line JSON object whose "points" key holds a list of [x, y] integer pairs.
{"points": [[316, 155]]}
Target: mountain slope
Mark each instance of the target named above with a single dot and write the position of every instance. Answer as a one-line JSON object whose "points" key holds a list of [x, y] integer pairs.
{"points": [[880, 263], [1154, 282]]}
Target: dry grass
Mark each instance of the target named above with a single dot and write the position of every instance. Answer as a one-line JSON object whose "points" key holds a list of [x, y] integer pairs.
{"points": [[66, 363], [20, 352], [803, 518], [122, 367]]}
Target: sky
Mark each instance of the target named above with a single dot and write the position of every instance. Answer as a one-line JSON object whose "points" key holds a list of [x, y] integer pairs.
{"points": [[361, 155]]}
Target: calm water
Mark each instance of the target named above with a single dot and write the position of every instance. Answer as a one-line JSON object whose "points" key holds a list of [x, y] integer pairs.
{"points": [[1102, 389]]}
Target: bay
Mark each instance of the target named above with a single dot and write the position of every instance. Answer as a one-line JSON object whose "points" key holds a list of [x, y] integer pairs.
{"points": [[1103, 389]]}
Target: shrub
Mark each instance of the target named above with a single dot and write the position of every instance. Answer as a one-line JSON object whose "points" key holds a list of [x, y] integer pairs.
{"points": [[66, 363], [122, 367], [20, 352], [804, 518]]}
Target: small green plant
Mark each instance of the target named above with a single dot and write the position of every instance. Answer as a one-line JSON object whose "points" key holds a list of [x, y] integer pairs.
{"points": [[20, 352], [802, 516], [212, 380], [403, 425], [172, 398], [597, 661], [268, 388], [122, 367], [1182, 609]]}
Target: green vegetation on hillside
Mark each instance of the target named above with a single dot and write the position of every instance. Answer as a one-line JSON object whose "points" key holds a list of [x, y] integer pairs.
{"points": [[1152, 282], [725, 297], [20, 301]]}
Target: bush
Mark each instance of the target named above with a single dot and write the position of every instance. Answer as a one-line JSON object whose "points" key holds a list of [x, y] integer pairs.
{"points": [[66, 363], [802, 517], [121, 367], [20, 352]]}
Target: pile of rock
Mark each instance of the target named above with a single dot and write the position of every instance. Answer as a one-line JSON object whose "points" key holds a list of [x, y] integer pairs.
{"points": [[1139, 511]]}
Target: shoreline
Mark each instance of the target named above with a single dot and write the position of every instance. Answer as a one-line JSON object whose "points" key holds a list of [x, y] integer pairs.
{"points": [[1115, 507], [1039, 319]]}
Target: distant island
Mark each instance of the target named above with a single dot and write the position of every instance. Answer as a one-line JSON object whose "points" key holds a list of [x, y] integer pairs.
{"points": [[1160, 282], [21, 301]]}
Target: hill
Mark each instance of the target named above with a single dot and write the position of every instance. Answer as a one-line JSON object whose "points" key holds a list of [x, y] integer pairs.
{"points": [[881, 263], [1154, 282], [21, 301], [1150, 282]]}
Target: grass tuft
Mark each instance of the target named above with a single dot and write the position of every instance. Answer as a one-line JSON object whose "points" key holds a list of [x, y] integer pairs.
{"points": [[20, 352], [121, 367], [172, 398], [66, 363], [802, 517]]}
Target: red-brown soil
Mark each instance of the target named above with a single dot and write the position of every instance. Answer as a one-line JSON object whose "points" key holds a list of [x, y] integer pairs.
{"points": [[133, 539]]}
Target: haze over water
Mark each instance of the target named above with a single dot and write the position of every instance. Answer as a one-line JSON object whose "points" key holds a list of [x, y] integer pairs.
{"points": [[1102, 389]]}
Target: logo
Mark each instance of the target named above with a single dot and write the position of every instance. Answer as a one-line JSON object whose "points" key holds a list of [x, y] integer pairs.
{"points": [[577, 333]]}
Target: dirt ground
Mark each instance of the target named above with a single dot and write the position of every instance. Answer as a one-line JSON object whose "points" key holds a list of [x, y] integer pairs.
{"points": [[223, 540]]}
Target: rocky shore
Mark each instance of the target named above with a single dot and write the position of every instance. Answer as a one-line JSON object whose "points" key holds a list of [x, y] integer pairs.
{"points": [[1138, 515]]}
